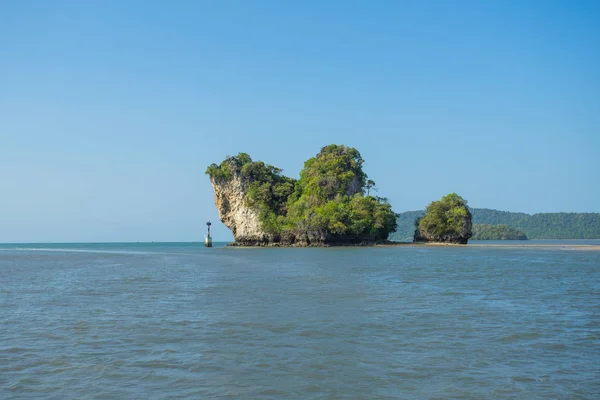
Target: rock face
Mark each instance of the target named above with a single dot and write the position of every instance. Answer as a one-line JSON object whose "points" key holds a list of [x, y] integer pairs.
{"points": [[243, 221]]}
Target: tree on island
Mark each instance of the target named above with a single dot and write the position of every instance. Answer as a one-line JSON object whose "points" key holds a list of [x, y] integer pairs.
{"points": [[445, 221], [370, 186], [327, 205]]}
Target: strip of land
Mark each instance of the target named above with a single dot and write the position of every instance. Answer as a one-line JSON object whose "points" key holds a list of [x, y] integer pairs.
{"points": [[556, 246], [548, 246]]}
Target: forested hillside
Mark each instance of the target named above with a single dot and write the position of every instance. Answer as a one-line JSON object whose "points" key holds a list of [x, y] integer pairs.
{"points": [[496, 232], [536, 226]]}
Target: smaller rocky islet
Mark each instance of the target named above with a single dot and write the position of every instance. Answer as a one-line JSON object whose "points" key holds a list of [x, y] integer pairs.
{"points": [[330, 204], [445, 221]]}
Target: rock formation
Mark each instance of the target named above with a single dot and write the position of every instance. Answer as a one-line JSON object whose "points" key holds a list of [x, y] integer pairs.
{"points": [[446, 221], [326, 206], [230, 199]]}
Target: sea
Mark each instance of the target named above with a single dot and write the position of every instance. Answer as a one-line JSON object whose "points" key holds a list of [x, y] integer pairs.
{"points": [[181, 321]]}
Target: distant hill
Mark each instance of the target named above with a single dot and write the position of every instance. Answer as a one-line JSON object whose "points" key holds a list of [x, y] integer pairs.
{"points": [[496, 232], [536, 226]]}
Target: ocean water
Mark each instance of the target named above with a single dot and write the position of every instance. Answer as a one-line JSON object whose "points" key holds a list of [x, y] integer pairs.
{"points": [[180, 321]]}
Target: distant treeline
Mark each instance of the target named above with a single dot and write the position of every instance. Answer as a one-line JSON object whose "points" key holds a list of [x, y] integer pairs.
{"points": [[536, 226], [496, 232]]}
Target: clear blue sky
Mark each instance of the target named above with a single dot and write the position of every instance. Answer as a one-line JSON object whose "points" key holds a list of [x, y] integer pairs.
{"points": [[110, 111]]}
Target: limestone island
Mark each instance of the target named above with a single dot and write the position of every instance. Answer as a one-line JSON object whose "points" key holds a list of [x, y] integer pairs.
{"points": [[329, 205], [445, 221]]}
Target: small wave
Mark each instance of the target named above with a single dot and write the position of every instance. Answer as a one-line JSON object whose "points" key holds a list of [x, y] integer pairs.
{"points": [[15, 350], [523, 379], [519, 336], [451, 294], [272, 392]]}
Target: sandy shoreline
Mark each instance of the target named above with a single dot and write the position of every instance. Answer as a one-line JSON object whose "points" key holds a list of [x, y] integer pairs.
{"points": [[548, 246], [530, 246], [543, 246]]}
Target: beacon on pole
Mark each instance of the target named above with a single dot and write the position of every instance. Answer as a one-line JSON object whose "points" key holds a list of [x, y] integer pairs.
{"points": [[208, 238]]}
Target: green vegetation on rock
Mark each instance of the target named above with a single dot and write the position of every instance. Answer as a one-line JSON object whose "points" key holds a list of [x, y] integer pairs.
{"points": [[445, 221], [496, 232], [327, 205]]}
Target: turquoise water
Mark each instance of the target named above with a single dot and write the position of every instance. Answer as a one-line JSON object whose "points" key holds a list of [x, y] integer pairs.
{"points": [[157, 321]]}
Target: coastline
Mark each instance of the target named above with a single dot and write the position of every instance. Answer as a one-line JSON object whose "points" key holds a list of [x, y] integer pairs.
{"points": [[555, 246], [389, 244]]}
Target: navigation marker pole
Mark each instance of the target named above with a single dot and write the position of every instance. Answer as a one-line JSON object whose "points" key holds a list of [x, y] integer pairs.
{"points": [[208, 238]]}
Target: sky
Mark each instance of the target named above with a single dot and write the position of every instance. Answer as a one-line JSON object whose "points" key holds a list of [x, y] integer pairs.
{"points": [[110, 111]]}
